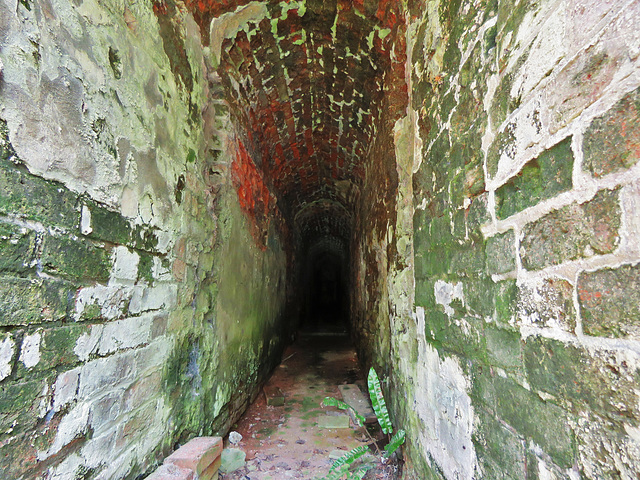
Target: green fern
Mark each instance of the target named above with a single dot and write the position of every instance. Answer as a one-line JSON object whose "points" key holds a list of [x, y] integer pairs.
{"points": [[334, 402], [394, 443], [378, 403], [341, 466]]}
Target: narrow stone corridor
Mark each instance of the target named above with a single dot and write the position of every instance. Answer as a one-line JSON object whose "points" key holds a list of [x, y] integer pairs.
{"points": [[185, 184]]}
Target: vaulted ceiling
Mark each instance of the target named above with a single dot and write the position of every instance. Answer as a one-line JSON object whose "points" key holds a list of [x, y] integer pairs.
{"points": [[305, 81]]}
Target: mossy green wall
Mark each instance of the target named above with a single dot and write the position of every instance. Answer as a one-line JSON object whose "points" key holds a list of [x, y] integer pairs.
{"points": [[136, 309], [513, 362]]}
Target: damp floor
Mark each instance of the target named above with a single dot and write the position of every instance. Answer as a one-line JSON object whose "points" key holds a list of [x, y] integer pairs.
{"points": [[283, 442]]}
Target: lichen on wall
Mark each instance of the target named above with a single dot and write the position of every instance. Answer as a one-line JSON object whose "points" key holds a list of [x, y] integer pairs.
{"points": [[116, 205], [520, 236]]}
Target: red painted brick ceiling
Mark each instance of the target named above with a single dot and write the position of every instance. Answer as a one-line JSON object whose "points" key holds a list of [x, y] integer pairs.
{"points": [[306, 91]]}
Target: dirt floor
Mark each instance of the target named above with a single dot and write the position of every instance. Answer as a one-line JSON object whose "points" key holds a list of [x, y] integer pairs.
{"points": [[284, 442]]}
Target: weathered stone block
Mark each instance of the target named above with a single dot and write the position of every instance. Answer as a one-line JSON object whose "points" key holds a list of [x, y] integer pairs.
{"points": [[17, 247], [18, 404], [612, 141], [482, 390], [107, 225], [543, 422], [197, 454], [232, 459], [504, 348], [467, 259], [171, 472], [610, 302], [32, 301], [601, 381], [580, 83], [501, 452], [76, 259], [98, 374], [541, 178], [478, 213], [479, 295], [547, 303], [274, 396], [462, 335], [30, 197], [503, 144], [333, 421], [506, 295], [55, 348], [572, 232], [501, 252]]}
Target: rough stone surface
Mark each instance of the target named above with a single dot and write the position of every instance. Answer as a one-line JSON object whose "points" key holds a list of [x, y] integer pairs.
{"points": [[231, 460], [174, 174], [610, 302], [573, 232], [172, 472], [612, 141]]}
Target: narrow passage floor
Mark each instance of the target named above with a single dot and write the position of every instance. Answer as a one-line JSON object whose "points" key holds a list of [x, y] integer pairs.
{"points": [[287, 441]]}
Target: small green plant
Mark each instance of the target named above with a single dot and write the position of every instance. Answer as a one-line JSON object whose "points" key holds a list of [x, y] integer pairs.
{"points": [[343, 467]]}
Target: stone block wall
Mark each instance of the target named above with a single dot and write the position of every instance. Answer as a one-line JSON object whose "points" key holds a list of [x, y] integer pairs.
{"points": [[522, 360], [126, 326]]}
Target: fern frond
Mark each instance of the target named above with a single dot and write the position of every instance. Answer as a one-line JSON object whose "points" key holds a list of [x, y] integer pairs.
{"points": [[341, 465], [334, 402], [378, 403], [394, 443]]}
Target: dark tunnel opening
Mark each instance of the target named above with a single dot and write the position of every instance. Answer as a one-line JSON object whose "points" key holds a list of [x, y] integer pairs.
{"points": [[324, 291]]}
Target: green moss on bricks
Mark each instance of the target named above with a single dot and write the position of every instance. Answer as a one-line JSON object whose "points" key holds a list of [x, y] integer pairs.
{"points": [[500, 451], [17, 247], [18, 404], [33, 198], [32, 301], [503, 144], [597, 382], [506, 297], [75, 259], [56, 349], [145, 267], [572, 232], [504, 348], [467, 260], [612, 141], [501, 252], [6, 149], [543, 422], [108, 225], [145, 238], [541, 178], [610, 302], [479, 295]]}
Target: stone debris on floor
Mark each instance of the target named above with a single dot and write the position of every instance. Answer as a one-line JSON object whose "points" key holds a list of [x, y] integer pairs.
{"points": [[298, 438]]}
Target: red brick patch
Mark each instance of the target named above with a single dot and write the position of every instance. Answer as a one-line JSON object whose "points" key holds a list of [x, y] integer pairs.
{"points": [[197, 455]]}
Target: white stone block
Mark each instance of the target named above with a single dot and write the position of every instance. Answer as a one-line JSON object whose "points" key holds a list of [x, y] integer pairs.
{"points": [[153, 298], [7, 348], [65, 389], [123, 334], [87, 344], [71, 426], [106, 373], [30, 353], [125, 266]]}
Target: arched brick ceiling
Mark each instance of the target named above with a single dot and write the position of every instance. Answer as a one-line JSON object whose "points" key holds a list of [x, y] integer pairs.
{"points": [[305, 85]]}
